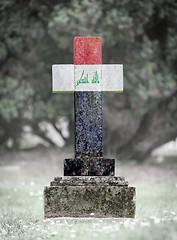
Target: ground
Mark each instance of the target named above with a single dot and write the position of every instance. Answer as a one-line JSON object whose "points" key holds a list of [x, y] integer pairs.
{"points": [[24, 174]]}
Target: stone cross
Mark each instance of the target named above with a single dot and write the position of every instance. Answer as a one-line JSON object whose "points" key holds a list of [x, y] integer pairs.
{"points": [[88, 187], [88, 78]]}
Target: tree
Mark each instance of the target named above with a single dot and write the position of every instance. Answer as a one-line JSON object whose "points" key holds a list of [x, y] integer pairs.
{"points": [[141, 35]]}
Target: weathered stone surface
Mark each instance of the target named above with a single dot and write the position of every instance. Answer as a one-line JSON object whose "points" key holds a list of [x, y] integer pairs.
{"points": [[88, 124], [89, 180], [89, 167], [97, 200], [87, 50], [88, 105]]}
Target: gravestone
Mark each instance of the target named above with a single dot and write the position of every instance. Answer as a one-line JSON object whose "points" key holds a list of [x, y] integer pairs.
{"points": [[89, 187]]}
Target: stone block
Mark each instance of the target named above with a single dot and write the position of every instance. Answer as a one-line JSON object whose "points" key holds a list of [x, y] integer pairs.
{"points": [[89, 167], [89, 197]]}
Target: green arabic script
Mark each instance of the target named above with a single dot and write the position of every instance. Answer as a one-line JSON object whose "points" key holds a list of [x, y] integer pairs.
{"points": [[95, 78], [84, 80]]}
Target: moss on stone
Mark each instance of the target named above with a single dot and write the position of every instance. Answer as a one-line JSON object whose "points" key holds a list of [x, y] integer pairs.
{"points": [[80, 201]]}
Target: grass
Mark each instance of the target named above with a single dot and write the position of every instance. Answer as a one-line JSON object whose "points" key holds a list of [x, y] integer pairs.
{"points": [[21, 216]]}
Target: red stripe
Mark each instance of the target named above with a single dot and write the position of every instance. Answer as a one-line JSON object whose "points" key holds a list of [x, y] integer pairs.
{"points": [[87, 50]]}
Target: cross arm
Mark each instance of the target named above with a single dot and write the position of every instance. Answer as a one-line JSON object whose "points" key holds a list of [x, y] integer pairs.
{"points": [[103, 77]]}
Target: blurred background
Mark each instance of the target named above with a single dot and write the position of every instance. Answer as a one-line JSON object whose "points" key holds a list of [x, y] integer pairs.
{"points": [[141, 35]]}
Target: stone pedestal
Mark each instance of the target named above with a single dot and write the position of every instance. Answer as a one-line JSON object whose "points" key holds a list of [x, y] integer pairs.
{"points": [[89, 196]]}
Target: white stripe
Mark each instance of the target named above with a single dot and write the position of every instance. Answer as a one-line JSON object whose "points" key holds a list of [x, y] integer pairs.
{"points": [[112, 77], [104, 77], [63, 78]]}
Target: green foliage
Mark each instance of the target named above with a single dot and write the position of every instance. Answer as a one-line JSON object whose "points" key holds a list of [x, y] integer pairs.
{"points": [[130, 36], [35, 34], [15, 95]]}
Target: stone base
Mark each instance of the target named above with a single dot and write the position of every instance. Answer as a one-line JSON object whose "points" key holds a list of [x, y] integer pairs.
{"points": [[89, 197]]}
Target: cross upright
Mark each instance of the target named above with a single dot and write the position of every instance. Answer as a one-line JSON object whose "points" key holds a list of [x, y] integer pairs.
{"points": [[88, 78]]}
